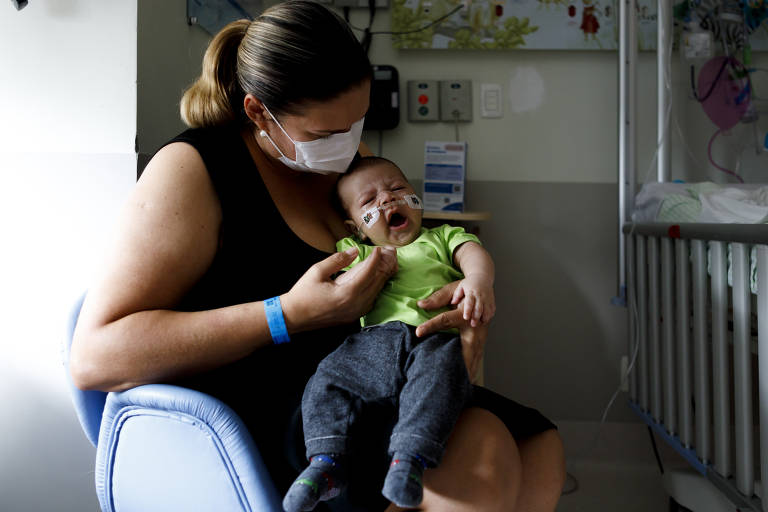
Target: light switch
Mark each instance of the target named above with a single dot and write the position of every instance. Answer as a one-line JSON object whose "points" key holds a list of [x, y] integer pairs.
{"points": [[491, 102]]}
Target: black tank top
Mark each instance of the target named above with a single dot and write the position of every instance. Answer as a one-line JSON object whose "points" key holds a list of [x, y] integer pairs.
{"points": [[259, 256]]}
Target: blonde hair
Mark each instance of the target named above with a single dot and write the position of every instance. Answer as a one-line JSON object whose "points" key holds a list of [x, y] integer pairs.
{"points": [[295, 53]]}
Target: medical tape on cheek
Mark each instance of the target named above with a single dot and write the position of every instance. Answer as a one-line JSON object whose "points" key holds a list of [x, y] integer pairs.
{"points": [[372, 215], [413, 201]]}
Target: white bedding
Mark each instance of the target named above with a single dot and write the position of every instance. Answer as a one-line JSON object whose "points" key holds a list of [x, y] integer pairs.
{"points": [[702, 202], [705, 202]]}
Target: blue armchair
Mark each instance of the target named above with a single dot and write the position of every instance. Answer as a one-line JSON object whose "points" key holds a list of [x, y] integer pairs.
{"points": [[162, 448]]}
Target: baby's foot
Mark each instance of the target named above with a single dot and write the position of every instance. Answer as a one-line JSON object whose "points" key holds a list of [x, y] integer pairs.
{"points": [[322, 480], [403, 483]]}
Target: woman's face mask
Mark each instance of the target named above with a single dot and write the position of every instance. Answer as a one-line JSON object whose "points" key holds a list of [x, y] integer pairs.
{"points": [[328, 154]]}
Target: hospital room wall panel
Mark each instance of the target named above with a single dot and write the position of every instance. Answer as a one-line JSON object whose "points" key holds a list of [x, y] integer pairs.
{"points": [[559, 119]]}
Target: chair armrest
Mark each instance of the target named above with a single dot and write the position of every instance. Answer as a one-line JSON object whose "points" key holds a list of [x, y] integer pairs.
{"points": [[164, 447]]}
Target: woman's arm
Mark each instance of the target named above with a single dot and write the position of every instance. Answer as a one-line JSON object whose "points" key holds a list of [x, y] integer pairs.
{"points": [[128, 333]]}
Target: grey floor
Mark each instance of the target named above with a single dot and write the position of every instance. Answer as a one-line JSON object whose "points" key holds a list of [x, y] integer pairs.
{"points": [[616, 470], [612, 487]]}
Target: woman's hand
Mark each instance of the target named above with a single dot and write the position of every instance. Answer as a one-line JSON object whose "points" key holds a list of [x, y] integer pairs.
{"points": [[317, 300], [472, 338]]}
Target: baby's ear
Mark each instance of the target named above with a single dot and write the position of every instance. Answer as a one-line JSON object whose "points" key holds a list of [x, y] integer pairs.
{"points": [[353, 231]]}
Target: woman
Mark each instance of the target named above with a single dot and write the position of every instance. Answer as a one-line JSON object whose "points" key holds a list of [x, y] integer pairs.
{"points": [[239, 209]]}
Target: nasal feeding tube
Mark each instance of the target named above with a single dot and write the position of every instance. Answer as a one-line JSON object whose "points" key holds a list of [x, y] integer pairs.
{"points": [[372, 215]]}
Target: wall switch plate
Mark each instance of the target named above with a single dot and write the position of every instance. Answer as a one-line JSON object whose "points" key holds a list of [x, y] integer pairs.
{"points": [[455, 100], [491, 100], [423, 100]]}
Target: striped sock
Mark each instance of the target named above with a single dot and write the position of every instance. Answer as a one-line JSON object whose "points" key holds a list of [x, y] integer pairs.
{"points": [[403, 485], [322, 480]]}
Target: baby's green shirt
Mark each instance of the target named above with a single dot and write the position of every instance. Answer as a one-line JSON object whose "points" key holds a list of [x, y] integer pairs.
{"points": [[424, 266]]}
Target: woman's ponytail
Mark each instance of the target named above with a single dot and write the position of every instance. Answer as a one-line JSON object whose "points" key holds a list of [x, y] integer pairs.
{"points": [[296, 52], [216, 97]]}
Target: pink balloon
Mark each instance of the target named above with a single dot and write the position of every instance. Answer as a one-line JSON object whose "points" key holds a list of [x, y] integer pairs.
{"points": [[727, 100]]}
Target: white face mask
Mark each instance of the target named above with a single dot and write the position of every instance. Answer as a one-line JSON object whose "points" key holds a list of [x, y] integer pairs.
{"points": [[325, 155]]}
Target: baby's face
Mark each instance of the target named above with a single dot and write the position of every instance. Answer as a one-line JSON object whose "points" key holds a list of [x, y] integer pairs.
{"points": [[379, 185]]}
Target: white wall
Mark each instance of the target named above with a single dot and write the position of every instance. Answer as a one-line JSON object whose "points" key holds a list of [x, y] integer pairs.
{"points": [[570, 135], [67, 161], [568, 132]]}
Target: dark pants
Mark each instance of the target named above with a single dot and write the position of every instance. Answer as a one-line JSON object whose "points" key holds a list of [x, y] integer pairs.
{"points": [[425, 379]]}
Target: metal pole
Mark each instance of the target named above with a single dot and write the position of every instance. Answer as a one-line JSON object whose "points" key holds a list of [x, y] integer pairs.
{"points": [[742, 370], [720, 360], [682, 273], [653, 325], [641, 296], [627, 132], [663, 46], [668, 335], [632, 310], [762, 359], [701, 384]]}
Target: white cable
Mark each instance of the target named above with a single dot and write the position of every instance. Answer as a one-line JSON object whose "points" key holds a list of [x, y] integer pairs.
{"points": [[630, 367]]}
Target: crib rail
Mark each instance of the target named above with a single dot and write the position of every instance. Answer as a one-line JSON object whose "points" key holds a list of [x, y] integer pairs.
{"points": [[692, 379], [741, 233]]}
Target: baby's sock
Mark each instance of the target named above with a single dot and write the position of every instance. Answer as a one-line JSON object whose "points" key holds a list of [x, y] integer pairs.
{"points": [[403, 483], [322, 480]]}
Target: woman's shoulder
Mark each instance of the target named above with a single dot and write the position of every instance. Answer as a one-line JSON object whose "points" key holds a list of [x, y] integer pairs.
{"points": [[220, 152], [176, 169], [209, 140]]}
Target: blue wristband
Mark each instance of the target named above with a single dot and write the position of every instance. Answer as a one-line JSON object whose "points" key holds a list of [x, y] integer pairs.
{"points": [[276, 321]]}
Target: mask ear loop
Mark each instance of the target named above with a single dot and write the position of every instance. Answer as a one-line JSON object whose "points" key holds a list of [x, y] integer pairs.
{"points": [[263, 133], [278, 124]]}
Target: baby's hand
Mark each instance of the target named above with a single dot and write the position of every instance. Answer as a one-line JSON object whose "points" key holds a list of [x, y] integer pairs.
{"points": [[479, 302]]}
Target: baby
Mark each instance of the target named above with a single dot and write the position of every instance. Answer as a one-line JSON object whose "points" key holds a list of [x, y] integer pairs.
{"points": [[424, 378]]}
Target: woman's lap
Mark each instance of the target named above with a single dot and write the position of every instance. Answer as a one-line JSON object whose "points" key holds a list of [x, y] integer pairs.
{"points": [[368, 461], [521, 421]]}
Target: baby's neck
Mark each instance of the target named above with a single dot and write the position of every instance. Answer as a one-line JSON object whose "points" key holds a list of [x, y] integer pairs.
{"points": [[409, 242]]}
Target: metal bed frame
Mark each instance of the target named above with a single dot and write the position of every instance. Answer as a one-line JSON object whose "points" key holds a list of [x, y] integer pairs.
{"points": [[692, 373], [692, 380]]}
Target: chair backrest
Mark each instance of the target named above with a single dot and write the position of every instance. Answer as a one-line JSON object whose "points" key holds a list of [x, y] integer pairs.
{"points": [[89, 405]]}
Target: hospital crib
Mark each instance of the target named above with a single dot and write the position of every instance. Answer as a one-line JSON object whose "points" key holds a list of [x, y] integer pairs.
{"points": [[700, 348]]}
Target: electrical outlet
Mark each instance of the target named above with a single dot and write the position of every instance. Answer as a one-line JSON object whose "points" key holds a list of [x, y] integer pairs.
{"points": [[623, 372], [455, 100], [423, 100]]}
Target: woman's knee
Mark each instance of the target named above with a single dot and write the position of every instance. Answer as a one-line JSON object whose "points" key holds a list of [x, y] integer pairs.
{"points": [[481, 469], [543, 468]]}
